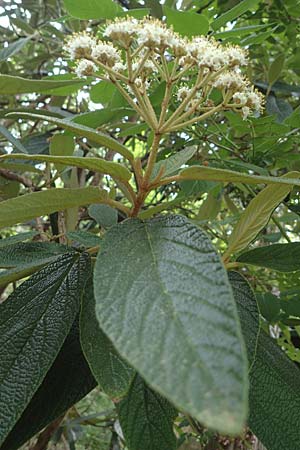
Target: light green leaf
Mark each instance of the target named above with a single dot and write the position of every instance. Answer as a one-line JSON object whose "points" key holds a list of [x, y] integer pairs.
{"points": [[104, 215], [116, 170], [112, 373], [168, 294], [146, 419], [80, 130], [274, 379], [256, 216], [17, 85], [174, 162], [186, 23], [233, 13], [281, 257], [93, 9], [34, 322], [36, 204], [230, 176], [276, 68]]}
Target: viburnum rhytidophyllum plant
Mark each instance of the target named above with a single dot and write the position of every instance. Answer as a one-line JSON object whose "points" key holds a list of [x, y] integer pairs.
{"points": [[167, 332]]}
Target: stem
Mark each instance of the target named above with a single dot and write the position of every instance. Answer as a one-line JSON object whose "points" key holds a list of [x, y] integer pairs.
{"points": [[117, 205], [195, 119], [152, 158]]}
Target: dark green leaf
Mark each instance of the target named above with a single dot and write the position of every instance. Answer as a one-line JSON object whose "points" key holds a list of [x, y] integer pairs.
{"points": [[269, 306], [68, 380], [146, 419], [15, 142], [112, 373], [274, 379], [20, 237], [85, 238], [233, 13], [281, 257], [168, 294], [281, 109], [34, 322], [104, 215]]}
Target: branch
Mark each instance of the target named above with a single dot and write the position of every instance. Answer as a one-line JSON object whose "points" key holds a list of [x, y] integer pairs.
{"points": [[15, 177]]}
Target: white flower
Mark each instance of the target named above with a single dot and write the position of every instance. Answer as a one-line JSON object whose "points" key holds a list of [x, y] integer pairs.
{"points": [[153, 34], [122, 31], [245, 112], [182, 93], [176, 44], [236, 56], [213, 57], [119, 67], [255, 100], [240, 97], [85, 68], [80, 45], [232, 81], [106, 54]]}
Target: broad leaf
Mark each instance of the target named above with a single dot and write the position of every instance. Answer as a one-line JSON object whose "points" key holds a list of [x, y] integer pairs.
{"points": [[112, 373], [186, 23], [169, 295], [104, 215], [230, 176], [274, 396], [233, 13], [23, 259], [281, 257], [80, 130], [32, 205], [20, 237], [173, 163], [276, 68], [34, 322], [146, 419], [68, 381], [84, 238], [93, 9], [256, 216], [17, 85], [94, 164]]}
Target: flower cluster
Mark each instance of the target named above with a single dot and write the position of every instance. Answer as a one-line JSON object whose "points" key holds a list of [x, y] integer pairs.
{"points": [[137, 54]]}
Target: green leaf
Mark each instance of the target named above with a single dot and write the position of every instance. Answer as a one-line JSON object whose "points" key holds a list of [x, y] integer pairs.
{"points": [[34, 322], [256, 216], [278, 107], [68, 381], [81, 130], [104, 215], [230, 176], [15, 142], [36, 204], [84, 238], [186, 23], [275, 69], [61, 144], [239, 32], [146, 419], [269, 306], [168, 294], [174, 162], [102, 92], [116, 170], [13, 47], [23, 259], [233, 13], [93, 9], [17, 85], [281, 257], [112, 373], [20, 237], [274, 380]]}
